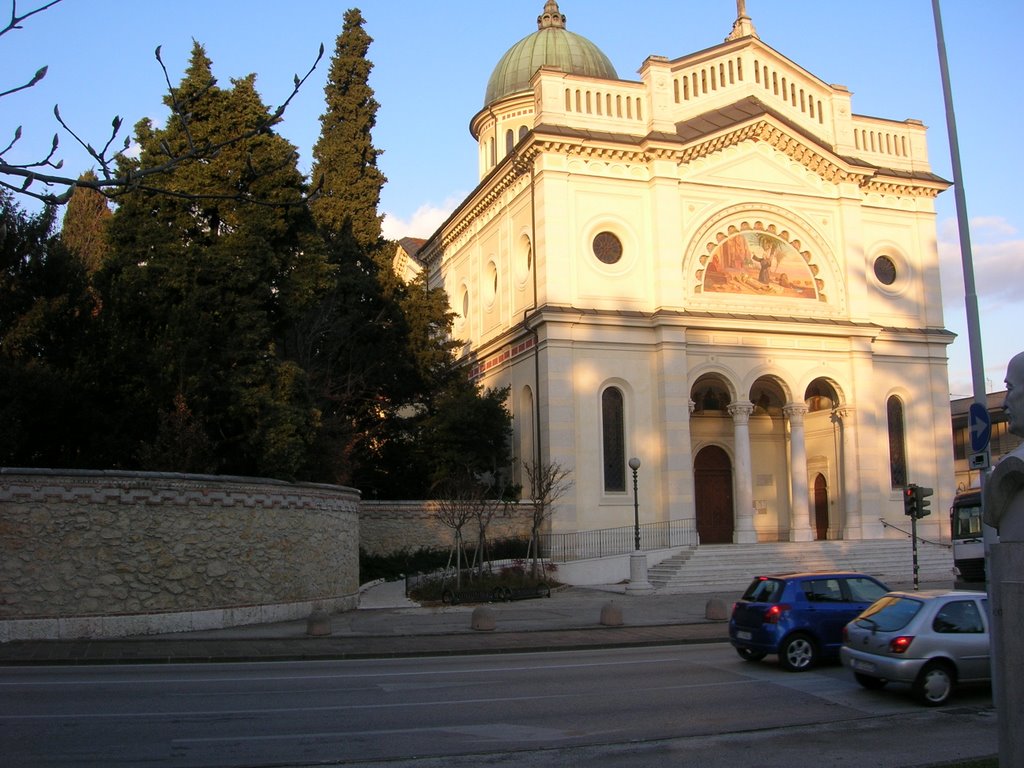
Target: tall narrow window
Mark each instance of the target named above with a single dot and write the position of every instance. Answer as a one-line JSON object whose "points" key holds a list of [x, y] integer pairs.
{"points": [[897, 443], [614, 440]]}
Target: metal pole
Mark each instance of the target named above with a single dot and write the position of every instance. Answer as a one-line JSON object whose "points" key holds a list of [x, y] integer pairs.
{"points": [[913, 535], [977, 358], [634, 464], [636, 513], [966, 256]]}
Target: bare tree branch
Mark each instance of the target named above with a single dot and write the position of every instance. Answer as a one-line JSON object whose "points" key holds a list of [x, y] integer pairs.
{"points": [[15, 22], [549, 481], [112, 181]]}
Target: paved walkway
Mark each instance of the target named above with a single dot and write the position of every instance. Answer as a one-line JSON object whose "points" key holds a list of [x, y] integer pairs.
{"points": [[388, 625]]}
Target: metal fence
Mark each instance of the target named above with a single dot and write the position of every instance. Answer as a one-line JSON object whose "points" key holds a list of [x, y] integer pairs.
{"points": [[605, 542]]}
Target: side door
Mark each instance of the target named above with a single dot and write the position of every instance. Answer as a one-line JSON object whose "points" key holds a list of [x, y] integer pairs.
{"points": [[962, 627], [827, 611]]}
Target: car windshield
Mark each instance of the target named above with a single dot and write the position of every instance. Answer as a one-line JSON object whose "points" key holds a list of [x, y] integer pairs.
{"points": [[764, 590], [889, 614]]}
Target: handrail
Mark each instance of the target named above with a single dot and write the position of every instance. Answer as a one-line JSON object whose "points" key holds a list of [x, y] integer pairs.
{"points": [[607, 542], [919, 538]]}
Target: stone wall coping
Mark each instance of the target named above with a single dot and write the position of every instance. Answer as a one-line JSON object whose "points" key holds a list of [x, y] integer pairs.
{"points": [[127, 475]]}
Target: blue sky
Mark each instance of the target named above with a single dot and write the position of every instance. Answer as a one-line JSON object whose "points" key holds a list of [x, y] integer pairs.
{"points": [[431, 65]]}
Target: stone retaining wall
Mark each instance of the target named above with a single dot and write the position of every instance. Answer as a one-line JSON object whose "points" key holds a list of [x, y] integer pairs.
{"points": [[103, 554], [387, 527]]}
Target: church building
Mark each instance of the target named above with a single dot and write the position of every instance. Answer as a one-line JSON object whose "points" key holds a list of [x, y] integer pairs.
{"points": [[719, 269]]}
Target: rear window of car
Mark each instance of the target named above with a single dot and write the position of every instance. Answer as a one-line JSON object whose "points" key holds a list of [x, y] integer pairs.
{"points": [[958, 616], [889, 614], [764, 590]]}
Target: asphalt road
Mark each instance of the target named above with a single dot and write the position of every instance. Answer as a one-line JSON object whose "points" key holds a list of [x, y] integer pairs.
{"points": [[669, 705]]}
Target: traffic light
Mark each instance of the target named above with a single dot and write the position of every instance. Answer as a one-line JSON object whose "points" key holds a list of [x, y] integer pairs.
{"points": [[915, 501], [910, 500], [921, 500]]}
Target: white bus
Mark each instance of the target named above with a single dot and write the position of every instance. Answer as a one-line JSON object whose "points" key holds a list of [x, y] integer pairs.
{"points": [[966, 534]]}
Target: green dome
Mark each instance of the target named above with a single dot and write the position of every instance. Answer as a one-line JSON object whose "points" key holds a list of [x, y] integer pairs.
{"points": [[552, 45]]}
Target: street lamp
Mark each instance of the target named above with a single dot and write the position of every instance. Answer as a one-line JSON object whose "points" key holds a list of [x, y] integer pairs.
{"points": [[634, 464], [638, 583]]}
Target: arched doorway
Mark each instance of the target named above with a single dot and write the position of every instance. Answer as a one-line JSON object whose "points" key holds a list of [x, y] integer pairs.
{"points": [[820, 507], [712, 479]]}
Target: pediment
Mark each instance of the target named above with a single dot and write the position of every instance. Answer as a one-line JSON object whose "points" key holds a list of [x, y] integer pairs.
{"points": [[753, 165], [749, 123]]}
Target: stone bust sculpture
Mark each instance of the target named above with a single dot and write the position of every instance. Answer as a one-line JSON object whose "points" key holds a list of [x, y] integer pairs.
{"points": [[1004, 488]]}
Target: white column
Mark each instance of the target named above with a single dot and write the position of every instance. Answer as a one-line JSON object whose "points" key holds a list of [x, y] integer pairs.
{"points": [[744, 532], [846, 417], [799, 517]]}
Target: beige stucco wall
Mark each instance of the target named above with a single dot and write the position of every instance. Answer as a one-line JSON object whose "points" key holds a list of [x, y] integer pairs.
{"points": [[92, 553]]}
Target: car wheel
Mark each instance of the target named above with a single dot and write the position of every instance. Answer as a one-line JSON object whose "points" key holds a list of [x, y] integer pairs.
{"points": [[749, 654], [934, 684], [798, 653], [869, 682]]}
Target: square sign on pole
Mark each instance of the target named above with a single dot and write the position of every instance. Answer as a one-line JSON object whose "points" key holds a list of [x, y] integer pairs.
{"points": [[980, 427]]}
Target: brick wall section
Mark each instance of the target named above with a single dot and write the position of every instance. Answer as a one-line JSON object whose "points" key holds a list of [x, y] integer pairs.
{"points": [[87, 543], [386, 527]]}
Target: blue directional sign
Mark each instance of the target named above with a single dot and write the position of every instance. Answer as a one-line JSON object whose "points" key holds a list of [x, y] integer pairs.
{"points": [[980, 427]]}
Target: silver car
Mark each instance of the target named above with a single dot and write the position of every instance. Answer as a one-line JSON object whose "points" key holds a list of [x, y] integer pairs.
{"points": [[932, 639]]}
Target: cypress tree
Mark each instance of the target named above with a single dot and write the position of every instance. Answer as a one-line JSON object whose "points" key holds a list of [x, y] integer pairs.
{"points": [[84, 228], [345, 161]]}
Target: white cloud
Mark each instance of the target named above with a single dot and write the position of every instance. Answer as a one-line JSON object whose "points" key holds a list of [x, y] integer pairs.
{"points": [[998, 260], [423, 223]]}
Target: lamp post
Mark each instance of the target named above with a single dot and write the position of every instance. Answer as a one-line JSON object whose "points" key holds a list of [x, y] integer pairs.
{"points": [[638, 584], [634, 464]]}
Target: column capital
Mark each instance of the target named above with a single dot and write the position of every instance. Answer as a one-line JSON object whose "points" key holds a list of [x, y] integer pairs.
{"points": [[740, 411], [795, 411], [843, 413]]}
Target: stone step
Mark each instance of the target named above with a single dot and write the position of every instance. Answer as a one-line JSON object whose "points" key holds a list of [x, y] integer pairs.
{"points": [[717, 567]]}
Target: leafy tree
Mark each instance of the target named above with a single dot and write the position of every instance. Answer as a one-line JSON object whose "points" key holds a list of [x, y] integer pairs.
{"points": [[201, 289], [46, 310], [469, 431]]}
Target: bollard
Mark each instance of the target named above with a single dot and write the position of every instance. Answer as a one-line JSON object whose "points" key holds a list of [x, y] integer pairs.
{"points": [[483, 619], [715, 610], [319, 623], [611, 615]]}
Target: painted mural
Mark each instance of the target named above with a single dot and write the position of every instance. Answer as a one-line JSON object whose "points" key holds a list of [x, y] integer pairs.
{"points": [[758, 263]]}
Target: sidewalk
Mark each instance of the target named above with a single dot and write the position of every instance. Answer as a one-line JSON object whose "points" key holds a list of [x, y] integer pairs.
{"points": [[388, 625]]}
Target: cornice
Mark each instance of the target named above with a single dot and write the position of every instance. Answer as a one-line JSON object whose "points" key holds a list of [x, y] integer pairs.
{"points": [[665, 147]]}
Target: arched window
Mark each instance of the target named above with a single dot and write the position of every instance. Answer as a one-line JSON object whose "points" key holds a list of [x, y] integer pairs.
{"points": [[510, 141], [613, 437], [897, 443]]}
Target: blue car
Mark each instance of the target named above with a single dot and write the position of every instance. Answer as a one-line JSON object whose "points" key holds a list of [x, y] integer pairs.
{"points": [[799, 616]]}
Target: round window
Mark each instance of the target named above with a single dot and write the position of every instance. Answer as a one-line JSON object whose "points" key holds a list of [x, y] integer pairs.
{"points": [[885, 270], [607, 248]]}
